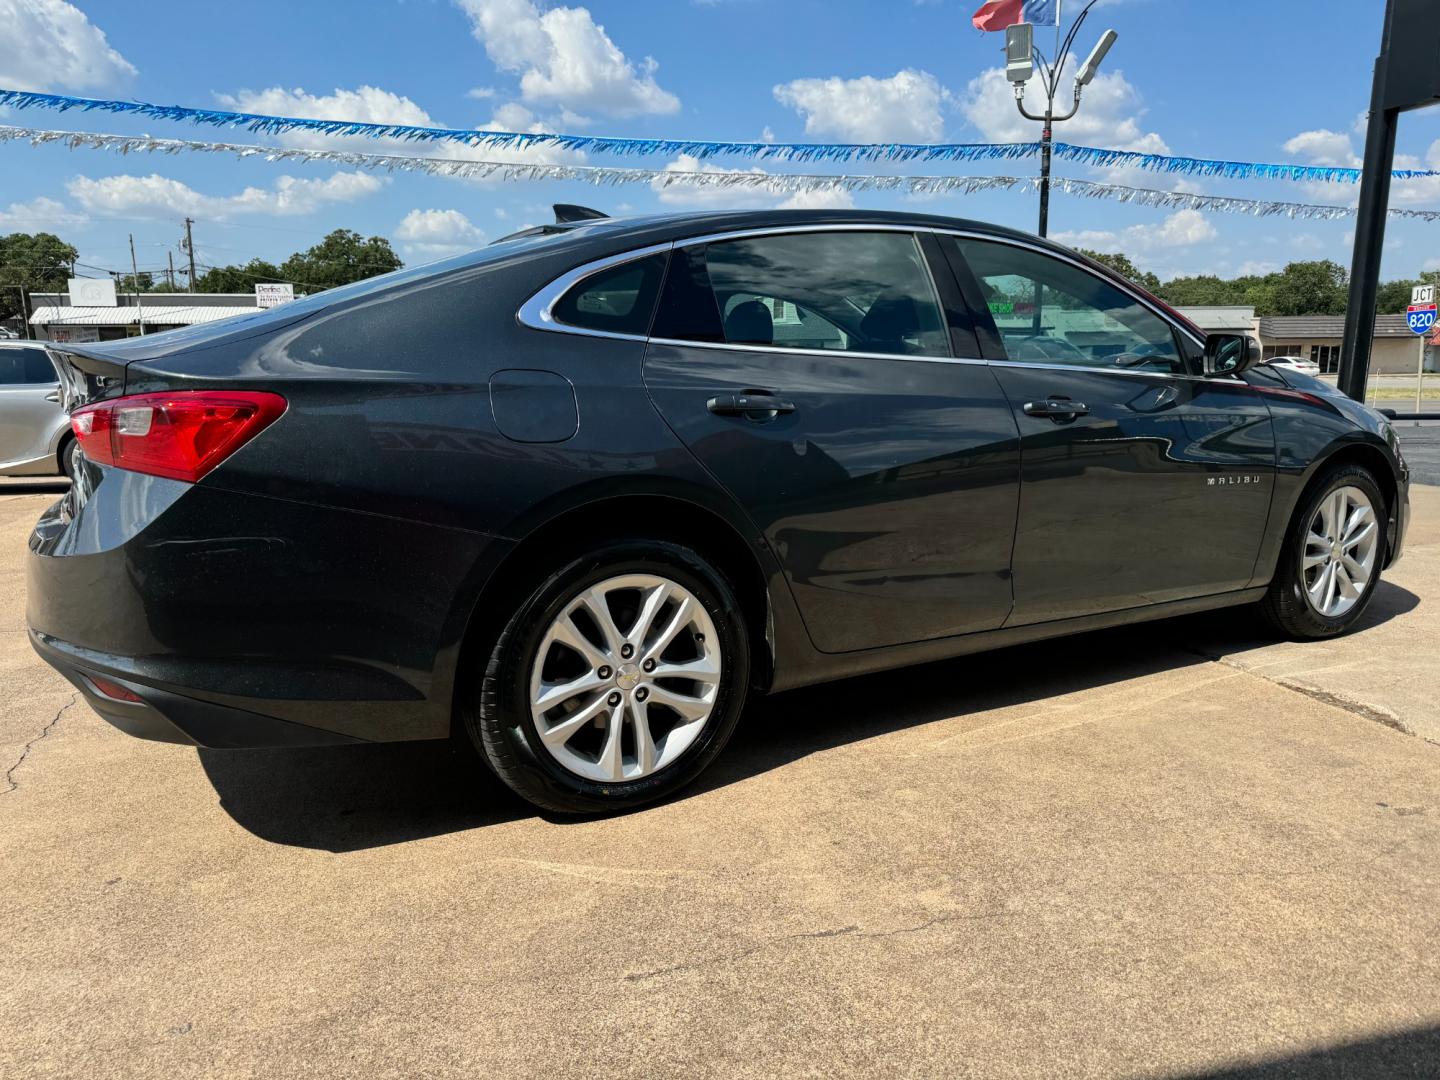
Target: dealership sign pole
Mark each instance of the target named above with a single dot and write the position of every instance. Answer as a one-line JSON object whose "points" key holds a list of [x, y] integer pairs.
{"points": [[1407, 76]]}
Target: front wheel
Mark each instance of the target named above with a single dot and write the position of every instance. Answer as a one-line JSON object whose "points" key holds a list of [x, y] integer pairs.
{"points": [[615, 682], [1333, 553]]}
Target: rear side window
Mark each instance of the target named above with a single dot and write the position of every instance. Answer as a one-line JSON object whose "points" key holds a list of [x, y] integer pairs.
{"points": [[22, 367], [849, 291], [618, 300]]}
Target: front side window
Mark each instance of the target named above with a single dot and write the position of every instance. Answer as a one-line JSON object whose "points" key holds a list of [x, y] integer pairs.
{"points": [[1053, 312], [841, 291], [618, 300]]}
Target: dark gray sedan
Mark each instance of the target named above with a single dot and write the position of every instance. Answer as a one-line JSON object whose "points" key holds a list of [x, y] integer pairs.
{"points": [[575, 496]]}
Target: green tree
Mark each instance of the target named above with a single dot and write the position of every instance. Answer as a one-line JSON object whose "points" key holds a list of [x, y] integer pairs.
{"points": [[1121, 264], [237, 279], [128, 283], [1302, 288], [1392, 297], [35, 262], [339, 259], [1200, 290]]}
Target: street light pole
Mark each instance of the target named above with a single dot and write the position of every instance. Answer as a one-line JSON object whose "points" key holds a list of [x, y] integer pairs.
{"points": [[1022, 54]]}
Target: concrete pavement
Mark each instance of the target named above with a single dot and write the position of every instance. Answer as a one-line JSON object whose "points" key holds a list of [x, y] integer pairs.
{"points": [[1171, 851]]}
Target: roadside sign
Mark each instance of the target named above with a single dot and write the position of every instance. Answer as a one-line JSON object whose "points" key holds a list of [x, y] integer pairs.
{"points": [[267, 296], [1421, 295], [1421, 317]]}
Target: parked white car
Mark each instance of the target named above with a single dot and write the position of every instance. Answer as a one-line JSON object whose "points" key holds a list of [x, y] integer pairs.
{"points": [[35, 438], [1295, 363]]}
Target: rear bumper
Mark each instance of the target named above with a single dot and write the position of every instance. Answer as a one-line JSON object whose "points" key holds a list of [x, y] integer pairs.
{"points": [[245, 620], [166, 715]]}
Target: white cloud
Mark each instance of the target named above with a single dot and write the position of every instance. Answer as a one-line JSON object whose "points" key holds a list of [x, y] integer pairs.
{"points": [[50, 44], [903, 108], [40, 214], [1257, 267], [1109, 116], [819, 199], [1324, 147], [437, 233], [1334, 149], [1184, 228], [156, 196], [368, 104], [373, 105], [564, 58]]}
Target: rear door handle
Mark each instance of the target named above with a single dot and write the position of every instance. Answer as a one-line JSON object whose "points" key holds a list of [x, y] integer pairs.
{"points": [[1057, 408], [748, 404]]}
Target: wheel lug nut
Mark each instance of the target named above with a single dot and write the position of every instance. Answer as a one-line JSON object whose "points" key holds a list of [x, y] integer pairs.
{"points": [[641, 694], [627, 651], [614, 699], [649, 665], [604, 672]]}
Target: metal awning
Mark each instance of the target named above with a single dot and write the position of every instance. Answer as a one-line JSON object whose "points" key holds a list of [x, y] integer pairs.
{"points": [[186, 315]]}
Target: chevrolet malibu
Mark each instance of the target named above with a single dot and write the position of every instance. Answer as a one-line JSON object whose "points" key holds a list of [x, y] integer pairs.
{"points": [[571, 498]]}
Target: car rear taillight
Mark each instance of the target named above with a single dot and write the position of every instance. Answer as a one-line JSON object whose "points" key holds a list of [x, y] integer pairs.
{"points": [[181, 434], [114, 691]]}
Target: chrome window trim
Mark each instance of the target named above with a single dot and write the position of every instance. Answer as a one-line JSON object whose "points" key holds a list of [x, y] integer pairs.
{"points": [[538, 312], [676, 342]]}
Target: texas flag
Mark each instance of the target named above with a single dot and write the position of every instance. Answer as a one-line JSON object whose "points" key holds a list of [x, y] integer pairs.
{"points": [[998, 14]]}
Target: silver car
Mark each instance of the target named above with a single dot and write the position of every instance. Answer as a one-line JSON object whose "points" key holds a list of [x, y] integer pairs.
{"points": [[35, 437]]}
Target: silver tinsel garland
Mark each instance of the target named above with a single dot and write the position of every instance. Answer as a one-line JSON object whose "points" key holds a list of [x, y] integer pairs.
{"points": [[714, 179]]}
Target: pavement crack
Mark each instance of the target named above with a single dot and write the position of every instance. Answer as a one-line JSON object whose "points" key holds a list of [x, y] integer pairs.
{"points": [[834, 932], [25, 751], [1362, 709]]}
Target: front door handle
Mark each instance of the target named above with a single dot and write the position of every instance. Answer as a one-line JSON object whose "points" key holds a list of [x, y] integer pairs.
{"points": [[756, 406], [1057, 408]]}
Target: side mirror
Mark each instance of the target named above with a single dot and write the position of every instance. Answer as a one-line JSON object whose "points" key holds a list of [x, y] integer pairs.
{"points": [[1230, 354]]}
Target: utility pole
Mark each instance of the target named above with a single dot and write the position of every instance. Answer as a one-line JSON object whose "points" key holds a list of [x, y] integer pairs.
{"points": [[135, 280], [190, 250], [1020, 57], [170, 257]]}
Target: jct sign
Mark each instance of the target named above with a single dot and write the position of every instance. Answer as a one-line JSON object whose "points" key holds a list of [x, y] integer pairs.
{"points": [[1421, 312]]}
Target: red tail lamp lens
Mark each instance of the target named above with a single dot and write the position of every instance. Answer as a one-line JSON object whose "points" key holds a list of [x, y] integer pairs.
{"points": [[181, 435], [114, 690]]}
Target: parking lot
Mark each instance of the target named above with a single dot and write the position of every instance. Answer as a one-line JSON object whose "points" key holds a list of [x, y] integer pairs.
{"points": [[1177, 850]]}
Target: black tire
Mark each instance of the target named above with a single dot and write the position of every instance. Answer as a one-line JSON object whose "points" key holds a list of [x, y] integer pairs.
{"points": [[1287, 605], [496, 713], [67, 458]]}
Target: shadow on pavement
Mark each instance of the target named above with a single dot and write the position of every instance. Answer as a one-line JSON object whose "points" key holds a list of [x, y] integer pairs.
{"points": [[347, 798], [354, 797], [40, 486], [1386, 1057]]}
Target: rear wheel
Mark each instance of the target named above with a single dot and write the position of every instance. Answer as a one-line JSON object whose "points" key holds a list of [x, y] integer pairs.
{"points": [[1331, 562], [67, 458], [615, 682]]}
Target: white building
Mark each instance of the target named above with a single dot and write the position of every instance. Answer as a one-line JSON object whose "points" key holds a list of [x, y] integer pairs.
{"points": [[93, 311]]}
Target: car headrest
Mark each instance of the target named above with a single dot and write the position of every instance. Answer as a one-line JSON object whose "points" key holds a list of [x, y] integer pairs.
{"points": [[891, 317], [750, 324]]}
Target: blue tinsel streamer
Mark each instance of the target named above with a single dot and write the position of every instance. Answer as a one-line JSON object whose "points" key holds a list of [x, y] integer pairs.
{"points": [[699, 148]]}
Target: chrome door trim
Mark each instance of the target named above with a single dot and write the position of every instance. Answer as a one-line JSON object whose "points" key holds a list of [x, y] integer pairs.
{"points": [[538, 312], [814, 352]]}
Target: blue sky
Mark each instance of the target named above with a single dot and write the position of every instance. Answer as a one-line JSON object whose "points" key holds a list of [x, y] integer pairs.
{"points": [[1279, 81]]}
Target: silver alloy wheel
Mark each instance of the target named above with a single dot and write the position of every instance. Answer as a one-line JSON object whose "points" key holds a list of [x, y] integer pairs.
{"points": [[625, 678], [1340, 548]]}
